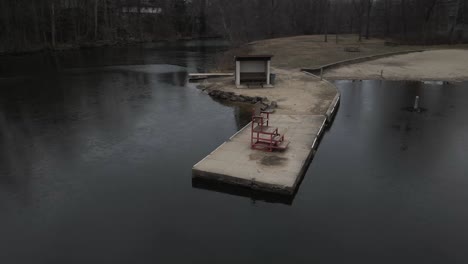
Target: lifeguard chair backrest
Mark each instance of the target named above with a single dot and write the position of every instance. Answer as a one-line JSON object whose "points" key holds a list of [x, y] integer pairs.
{"points": [[257, 111]]}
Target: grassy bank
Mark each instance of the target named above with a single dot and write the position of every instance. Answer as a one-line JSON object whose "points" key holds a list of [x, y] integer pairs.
{"points": [[311, 51]]}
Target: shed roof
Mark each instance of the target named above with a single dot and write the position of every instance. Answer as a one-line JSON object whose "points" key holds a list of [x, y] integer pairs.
{"points": [[253, 57]]}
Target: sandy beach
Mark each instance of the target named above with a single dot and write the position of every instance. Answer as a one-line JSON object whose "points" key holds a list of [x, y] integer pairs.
{"points": [[446, 65]]}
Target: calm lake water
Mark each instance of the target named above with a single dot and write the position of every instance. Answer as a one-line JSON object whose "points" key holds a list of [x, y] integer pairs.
{"points": [[96, 154]]}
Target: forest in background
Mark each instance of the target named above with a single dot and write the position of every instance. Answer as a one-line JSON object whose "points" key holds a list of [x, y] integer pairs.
{"points": [[27, 25]]}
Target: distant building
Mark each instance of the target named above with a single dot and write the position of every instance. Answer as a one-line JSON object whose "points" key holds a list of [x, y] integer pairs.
{"points": [[68, 4], [142, 6], [143, 10]]}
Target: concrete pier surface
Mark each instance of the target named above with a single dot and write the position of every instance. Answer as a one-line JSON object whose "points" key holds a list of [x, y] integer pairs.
{"points": [[279, 171]]}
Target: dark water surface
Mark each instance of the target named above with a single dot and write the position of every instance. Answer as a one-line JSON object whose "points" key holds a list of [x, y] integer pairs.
{"points": [[95, 167]]}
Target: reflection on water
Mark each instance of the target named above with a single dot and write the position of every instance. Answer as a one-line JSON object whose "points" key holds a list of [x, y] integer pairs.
{"points": [[190, 54], [241, 191], [95, 167]]}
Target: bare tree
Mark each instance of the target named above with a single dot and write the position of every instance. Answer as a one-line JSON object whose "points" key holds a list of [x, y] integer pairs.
{"points": [[327, 11], [224, 21], [403, 8], [96, 5], [387, 9], [428, 7], [369, 4], [52, 23], [140, 29], [359, 8], [455, 22]]}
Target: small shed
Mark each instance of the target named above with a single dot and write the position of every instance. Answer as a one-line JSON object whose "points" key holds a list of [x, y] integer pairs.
{"points": [[253, 69]]}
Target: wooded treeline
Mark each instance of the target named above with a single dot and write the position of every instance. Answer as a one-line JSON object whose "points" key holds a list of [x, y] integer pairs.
{"points": [[413, 21], [33, 25]]}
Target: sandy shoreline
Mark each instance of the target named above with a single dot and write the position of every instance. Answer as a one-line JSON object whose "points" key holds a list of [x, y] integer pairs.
{"points": [[446, 65], [296, 92]]}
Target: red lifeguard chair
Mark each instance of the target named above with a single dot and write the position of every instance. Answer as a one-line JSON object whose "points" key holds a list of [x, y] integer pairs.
{"points": [[263, 136]]}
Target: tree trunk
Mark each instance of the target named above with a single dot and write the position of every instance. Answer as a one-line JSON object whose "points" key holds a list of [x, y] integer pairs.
{"points": [[359, 8], [202, 19], [369, 8], [337, 20], [403, 15], [75, 25], [140, 29], [360, 27], [52, 23], [455, 22], [4, 16], [106, 20], [225, 26], [96, 4], [273, 22], [37, 32], [387, 7], [43, 10], [427, 18], [327, 10]]}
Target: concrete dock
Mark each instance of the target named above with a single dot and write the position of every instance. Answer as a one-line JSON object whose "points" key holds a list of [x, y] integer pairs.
{"points": [[305, 104], [234, 162], [202, 76]]}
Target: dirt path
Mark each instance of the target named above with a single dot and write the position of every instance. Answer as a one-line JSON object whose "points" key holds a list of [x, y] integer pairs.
{"points": [[446, 65]]}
